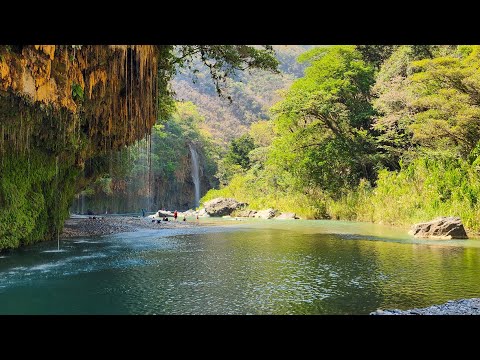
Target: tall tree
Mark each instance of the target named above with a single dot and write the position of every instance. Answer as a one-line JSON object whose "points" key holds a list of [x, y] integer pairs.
{"points": [[325, 120], [447, 101]]}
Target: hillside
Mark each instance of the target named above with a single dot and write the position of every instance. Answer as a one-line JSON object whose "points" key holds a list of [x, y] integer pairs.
{"points": [[252, 94]]}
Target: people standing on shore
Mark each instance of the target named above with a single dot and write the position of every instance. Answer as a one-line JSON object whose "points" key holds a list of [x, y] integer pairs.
{"points": [[175, 215]]}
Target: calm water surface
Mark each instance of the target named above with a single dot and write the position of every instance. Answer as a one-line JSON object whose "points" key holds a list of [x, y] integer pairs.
{"points": [[245, 267]]}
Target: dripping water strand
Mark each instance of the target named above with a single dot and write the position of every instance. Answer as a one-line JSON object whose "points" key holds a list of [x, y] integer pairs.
{"points": [[56, 203]]}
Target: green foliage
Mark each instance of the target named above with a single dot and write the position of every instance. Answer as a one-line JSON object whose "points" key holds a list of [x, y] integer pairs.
{"points": [[337, 138], [221, 61], [376, 54], [262, 133], [262, 193], [446, 102], [392, 103], [34, 197], [426, 188], [324, 121], [239, 150], [77, 92]]}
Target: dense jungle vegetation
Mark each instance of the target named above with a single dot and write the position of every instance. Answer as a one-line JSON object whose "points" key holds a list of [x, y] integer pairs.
{"points": [[388, 134]]}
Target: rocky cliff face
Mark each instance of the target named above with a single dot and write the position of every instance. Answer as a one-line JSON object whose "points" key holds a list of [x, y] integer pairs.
{"points": [[179, 192], [60, 107]]}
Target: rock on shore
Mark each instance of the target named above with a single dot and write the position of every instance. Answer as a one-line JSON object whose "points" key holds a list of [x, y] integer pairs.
{"points": [[222, 206], [442, 228], [265, 214], [287, 215], [454, 307], [231, 207]]}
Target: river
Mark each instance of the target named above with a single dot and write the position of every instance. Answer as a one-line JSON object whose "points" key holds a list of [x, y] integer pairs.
{"points": [[240, 267]]}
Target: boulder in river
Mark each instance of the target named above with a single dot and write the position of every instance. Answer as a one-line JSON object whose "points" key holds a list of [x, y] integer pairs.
{"points": [[287, 215], [222, 206], [266, 214], [442, 228]]}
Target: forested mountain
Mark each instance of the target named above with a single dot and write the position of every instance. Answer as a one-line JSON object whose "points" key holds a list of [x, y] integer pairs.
{"points": [[251, 93]]}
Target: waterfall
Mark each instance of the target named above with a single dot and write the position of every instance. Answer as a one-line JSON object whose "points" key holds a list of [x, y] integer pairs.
{"points": [[195, 173]]}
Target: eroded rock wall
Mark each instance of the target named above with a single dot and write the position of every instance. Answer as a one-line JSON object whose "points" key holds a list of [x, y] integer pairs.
{"points": [[61, 105]]}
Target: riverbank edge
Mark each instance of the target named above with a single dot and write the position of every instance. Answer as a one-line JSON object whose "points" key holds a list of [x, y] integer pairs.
{"points": [[98, 226], [452, 307], [471, 234]]}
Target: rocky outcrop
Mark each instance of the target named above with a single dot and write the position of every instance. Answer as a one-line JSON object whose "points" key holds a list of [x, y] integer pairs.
{"points": [[222, 206], [266, 214], [287, 215], [440, 228], [106, 93], [245, 213]]}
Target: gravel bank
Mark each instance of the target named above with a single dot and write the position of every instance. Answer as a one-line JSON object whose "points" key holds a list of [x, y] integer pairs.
{"points": [[84, 226], [454, 307]]}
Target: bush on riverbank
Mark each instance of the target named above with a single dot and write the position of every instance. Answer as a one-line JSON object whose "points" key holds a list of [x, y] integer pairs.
{"points": [[424, 189], [252, 190]]}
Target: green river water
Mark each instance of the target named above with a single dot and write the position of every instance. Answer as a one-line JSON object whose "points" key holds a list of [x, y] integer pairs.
{"points": [[240, 267]]}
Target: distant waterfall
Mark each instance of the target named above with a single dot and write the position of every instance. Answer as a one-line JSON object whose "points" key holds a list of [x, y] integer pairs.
{"points": [[195, 173]]}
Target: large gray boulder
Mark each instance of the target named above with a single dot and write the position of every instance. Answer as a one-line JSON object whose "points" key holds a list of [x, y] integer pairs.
{"points": [[265, 214], [442, 228], [222, 206], [287, 215]]}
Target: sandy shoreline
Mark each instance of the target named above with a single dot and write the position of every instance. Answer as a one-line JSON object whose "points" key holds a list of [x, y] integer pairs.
{"points": [[85, 226]]}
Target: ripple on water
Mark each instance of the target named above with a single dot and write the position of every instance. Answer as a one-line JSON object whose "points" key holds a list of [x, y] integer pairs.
{"points": [[81, 241], [19, 268], [86, 257], [46, 267]]}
